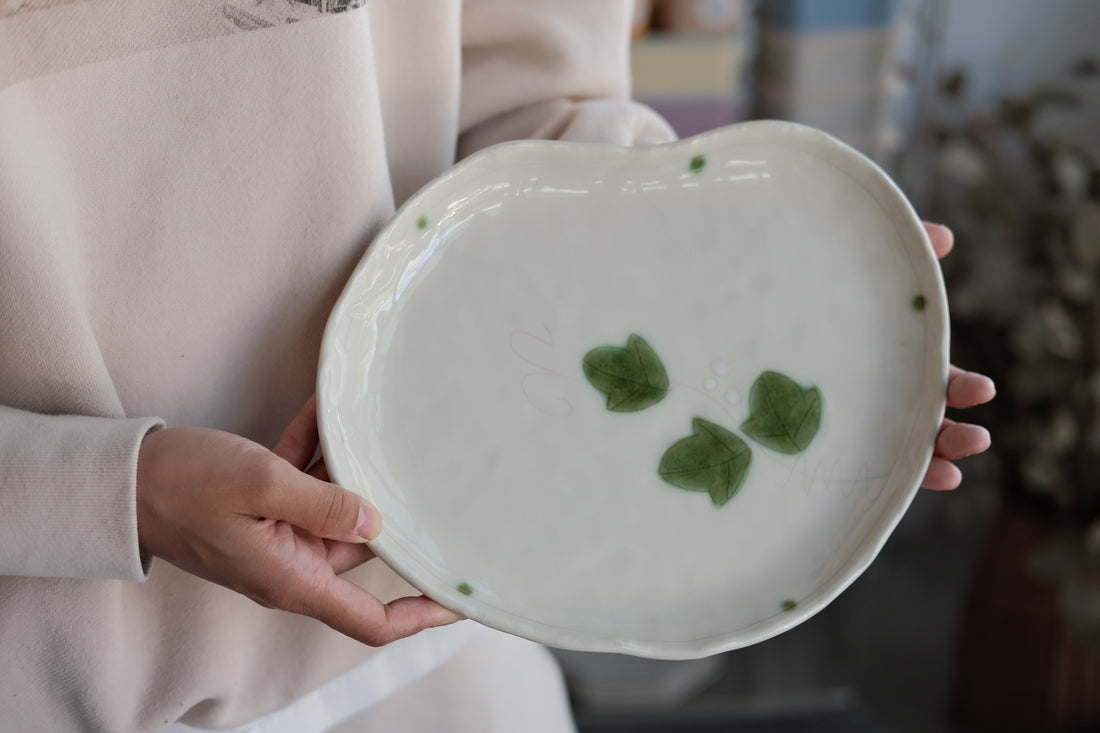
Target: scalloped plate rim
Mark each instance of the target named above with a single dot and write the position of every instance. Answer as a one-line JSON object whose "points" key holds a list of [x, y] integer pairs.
{"points": [[469, 606]]}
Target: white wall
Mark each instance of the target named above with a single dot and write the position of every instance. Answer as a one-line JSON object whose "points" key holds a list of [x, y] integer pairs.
{"points": [[1010, 45]]}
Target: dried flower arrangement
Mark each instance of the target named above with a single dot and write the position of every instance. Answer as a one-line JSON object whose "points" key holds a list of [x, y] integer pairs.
{"points": [[1023, 198]]}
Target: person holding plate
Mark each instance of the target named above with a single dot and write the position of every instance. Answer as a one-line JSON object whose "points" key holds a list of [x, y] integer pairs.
{"points": [[182, 196]]}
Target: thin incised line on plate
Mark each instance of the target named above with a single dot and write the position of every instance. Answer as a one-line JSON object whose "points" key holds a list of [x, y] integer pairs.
{"points": [[543, 371]]}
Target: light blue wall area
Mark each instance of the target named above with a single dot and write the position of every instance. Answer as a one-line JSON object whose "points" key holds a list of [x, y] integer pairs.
{"points": [[1011, 45]]}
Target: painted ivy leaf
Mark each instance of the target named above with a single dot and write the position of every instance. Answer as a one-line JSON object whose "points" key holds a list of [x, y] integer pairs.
{"points": [[632, 377], [711, 459], [783, 415]]}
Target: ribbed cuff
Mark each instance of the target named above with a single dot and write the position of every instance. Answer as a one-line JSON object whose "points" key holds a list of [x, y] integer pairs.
{"points": [[68, 504]]}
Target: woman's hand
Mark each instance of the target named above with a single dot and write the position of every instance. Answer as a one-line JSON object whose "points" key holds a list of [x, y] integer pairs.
{"points": [[228, 510], [964, 389]]}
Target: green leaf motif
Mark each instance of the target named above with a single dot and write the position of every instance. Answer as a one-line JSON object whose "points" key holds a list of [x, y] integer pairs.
{"points": [[783, 415], [711, 459], [632, 377]]}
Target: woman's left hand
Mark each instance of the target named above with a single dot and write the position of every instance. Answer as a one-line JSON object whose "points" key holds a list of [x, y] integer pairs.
{"points": [[964, 389]]}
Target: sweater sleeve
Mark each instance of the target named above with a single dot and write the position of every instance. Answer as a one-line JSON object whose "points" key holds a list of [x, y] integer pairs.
{"points": [[67, 495], [550, 70]]}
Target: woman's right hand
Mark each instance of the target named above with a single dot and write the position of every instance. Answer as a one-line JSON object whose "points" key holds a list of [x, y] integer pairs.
{"points": [[254, 520]]}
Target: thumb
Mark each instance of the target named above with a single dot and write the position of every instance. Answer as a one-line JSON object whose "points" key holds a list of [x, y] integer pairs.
{"points": [[323, 509]]}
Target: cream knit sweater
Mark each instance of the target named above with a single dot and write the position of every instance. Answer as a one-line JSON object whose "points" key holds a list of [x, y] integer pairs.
{"points": [[184, 187]]}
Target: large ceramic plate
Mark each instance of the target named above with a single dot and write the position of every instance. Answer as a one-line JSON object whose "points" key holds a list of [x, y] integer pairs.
{"points": [[664, 401]]}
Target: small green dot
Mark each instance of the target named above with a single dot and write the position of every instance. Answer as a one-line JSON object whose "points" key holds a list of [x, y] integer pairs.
{"points": [[465, 589], [422, 223], [788, 605], [919, 301], [698, 163]]}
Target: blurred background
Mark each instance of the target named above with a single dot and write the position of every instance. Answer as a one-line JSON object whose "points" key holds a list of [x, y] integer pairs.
{"points": [[983, 611]]}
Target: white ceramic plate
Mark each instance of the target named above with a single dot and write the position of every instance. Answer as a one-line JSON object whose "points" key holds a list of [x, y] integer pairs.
{"points": [[455, 396]]}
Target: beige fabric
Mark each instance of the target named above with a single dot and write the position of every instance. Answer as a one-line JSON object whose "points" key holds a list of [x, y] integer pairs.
{"points": [[181, 200], [357, 693], [497, 683]]}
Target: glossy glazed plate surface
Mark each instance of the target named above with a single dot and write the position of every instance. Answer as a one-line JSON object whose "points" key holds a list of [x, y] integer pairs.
{"points": [[665, 401]]}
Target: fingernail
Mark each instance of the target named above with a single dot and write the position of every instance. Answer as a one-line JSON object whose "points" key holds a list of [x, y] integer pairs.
{"points": [[985, 388], [984, 439], [370, 523]]}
